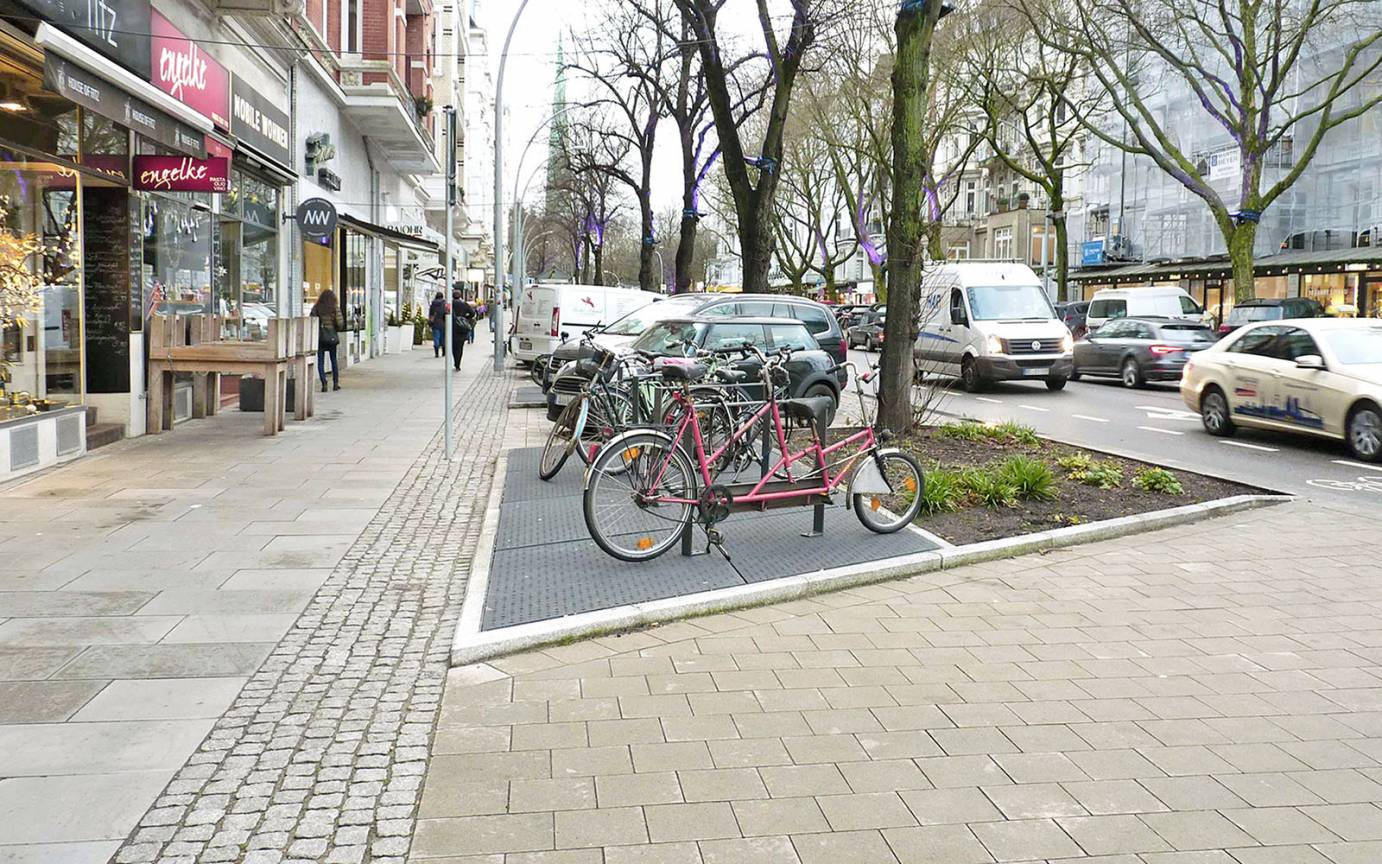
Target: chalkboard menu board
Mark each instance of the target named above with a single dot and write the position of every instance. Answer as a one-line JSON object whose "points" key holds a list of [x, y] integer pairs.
{"points": [[106, 260]]}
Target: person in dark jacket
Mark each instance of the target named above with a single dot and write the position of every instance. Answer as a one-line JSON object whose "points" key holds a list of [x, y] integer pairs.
{"points": [[462, 323], [330, 323], [436, 316]]}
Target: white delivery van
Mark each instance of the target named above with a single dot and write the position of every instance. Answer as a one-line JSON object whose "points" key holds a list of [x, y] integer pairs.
{"points": [[551, 312], [988, 321], [1155, 301]]}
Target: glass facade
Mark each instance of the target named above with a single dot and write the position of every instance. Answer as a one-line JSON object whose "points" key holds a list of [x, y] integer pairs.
{"points": [[247, 275]]}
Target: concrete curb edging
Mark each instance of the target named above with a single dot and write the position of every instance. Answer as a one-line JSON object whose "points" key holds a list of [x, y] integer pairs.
{"points": [[477, 584], [472, 645]]}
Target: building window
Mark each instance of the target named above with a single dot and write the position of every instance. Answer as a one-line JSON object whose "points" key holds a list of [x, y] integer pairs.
{"points": [[971, 197], [1003, 242], [352, 24]]}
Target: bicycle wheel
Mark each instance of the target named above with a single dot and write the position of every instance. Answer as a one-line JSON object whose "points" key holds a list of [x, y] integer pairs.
{"points": [[625, 491], [560, 441], [887, 512], [610, 414]]}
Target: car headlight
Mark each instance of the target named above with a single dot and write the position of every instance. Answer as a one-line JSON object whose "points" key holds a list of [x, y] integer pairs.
{"points": [[1067, 343], [995, 345]]}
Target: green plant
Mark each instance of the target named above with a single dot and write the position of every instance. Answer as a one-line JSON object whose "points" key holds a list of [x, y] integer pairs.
{"points": [[1033, 479], [1016, 433], [1158, 480], [1082, 468], [989, 487], [1076, 462], [967, 430], [942, 492]]}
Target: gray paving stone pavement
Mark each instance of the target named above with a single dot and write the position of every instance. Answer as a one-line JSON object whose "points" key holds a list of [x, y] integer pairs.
{"points": [[223, 647], [1210, 694]]}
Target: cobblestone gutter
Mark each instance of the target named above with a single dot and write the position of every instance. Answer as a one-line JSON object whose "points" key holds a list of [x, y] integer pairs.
{"points": [[321, 757]]}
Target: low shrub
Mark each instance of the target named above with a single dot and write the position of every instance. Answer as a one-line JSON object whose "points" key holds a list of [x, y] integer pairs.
{"points": [[967, 430], [1033, 479], [942, 492], [1158, 480], [988, 487], [1082, 468], [1016, 433]]}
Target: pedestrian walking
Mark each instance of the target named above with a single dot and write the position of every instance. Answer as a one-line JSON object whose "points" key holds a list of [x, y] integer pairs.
{"points": [[474, 321], [462, 325], [330, 323], [436, 316]]}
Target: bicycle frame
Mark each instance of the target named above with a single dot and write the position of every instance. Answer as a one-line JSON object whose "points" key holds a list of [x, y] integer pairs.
{"points": [[757, 495]]}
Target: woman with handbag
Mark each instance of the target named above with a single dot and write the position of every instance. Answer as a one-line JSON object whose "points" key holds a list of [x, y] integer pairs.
{"points": [[436, 316], [462, 325], [330, 323]]}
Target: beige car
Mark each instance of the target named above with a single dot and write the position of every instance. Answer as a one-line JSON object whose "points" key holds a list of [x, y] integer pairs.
{"points": [[1320, 376]]}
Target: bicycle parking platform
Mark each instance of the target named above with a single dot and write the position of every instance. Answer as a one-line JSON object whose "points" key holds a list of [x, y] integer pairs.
{"points": [[543, 566]]}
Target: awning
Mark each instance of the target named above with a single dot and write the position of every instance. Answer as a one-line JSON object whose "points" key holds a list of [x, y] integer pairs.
{"points": [[389, 234], [1292, 261], [55, 40], [94, 93]]}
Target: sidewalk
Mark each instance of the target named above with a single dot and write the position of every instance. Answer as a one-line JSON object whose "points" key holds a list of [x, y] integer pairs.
{"points": [[265, 608], [1210, 694]]}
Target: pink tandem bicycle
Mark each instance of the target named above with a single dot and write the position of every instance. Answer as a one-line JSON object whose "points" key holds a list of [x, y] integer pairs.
{"points": [[648, 486]]}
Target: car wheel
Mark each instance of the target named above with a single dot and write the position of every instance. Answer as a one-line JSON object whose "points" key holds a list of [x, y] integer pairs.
{"points": [[1131, 374], [824, 390], [969, 376], [1056, 383], [1074, 374], [1214, 413], [1364, 432]]}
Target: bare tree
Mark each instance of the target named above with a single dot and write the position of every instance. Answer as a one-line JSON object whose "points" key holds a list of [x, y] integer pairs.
{"points": [[915, 28], [1276, 76], [753, 176], [1032, 98], [589, 189], [812, 212]]}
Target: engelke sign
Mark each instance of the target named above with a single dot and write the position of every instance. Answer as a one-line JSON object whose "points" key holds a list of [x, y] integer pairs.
{"points": [[181, 174], [182, 70]]}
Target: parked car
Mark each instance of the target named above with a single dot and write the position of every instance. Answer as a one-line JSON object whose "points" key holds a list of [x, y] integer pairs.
{"points": [[618, 335], [1319, 376], [867, 330], [810, 369], [1138, 350], [1073, 314], [552, 313], [1161, 301], [1271, 309], [815, 316], [983, 322]]}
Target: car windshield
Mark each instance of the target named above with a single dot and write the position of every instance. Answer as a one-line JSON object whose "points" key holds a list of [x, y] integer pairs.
{"points": [[1249, 314], [1355, 347], [1009, 303], [1186, 333], [671, 338], [641, 319]]}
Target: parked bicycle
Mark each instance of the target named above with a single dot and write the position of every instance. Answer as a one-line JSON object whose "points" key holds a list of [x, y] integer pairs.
{"points": [[646, 487]]}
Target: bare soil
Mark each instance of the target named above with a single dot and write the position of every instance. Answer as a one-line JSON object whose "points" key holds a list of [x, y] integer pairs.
{"points": [[1076, 502]]}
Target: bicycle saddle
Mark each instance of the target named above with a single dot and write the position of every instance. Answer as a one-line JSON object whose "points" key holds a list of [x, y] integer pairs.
{"points": [[731, 376], [683, 371], [812, 409]]}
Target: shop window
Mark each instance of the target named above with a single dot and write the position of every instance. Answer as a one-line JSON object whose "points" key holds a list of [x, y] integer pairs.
{"points": [[41, 311], [176, 273], [247, 256]]}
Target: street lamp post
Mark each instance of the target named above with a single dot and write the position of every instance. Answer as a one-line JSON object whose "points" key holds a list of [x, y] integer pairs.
{"points": [[499, 328]]}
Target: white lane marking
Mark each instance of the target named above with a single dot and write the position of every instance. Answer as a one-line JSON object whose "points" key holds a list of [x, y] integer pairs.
{"points": [[1162, 431], [1249, 446], [1358, 465], [1035, 408], [1090, 419], [988, 400], [1156, 413]]}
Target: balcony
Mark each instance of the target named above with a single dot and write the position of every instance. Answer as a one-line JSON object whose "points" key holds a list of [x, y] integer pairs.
{"points": [[378, 103]]}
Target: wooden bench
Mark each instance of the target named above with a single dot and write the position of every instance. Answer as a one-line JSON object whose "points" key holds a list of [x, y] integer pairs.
{"points": [[193, 343]]}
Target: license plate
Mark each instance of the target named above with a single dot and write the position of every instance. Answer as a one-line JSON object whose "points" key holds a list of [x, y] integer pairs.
{"points": [[525, 344], [1036, 373]]}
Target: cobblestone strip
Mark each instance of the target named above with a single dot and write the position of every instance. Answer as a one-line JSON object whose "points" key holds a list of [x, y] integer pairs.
{"points": [[321, 757]]}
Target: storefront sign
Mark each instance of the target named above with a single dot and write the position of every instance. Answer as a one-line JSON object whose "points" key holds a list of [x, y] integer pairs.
{"points": [[180, 174], [184, 71], [104, 98], [317, 218], [1092, 252], [118, 29], [259, 123]]}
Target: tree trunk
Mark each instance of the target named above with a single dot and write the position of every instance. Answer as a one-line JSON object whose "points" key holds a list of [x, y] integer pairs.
{"points": [[599, 264], [648, 277], [686, 250], [585, 261], [1062, 260], [914, 30], [880, 282], [935, 249], [1240, 239], [756, 246]]}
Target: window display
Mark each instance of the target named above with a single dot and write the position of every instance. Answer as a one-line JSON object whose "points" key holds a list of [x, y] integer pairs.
{"points": [[247, 275]]}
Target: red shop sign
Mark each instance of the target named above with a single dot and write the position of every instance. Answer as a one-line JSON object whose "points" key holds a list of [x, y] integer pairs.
{"points": [[181, 174], [188, 74]]}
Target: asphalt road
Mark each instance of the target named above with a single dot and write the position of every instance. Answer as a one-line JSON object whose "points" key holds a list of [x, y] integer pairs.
{"points": [[1152, 424]]}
